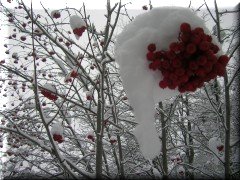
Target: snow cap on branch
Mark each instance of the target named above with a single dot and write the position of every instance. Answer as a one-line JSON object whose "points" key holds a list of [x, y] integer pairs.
{"points": [[159, 27], [57, 132], [49, 91], [78, 25], [55, 14]]}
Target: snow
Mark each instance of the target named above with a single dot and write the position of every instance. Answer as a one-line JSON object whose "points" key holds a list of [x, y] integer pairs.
{"points": [[213, 143], [50, 87], [76, 22], [180, 170], [57, 128], [38, 31], [54, 12], [156, 173], [159, 26], [15, 55]]}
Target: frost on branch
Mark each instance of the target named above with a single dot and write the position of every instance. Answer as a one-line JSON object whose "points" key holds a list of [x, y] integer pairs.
{"points": [[90, 136], [155, 31], [78, 25], [216, 145], [55, 14], [49, 91], [57, 132]]}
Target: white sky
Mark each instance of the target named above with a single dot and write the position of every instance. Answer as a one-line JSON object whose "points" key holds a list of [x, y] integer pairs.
{"points": [[135, 4]]}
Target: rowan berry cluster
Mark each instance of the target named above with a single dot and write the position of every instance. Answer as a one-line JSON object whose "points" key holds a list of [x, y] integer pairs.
{"points": [[49, 95], [58, 138], [189, 62], [79, 31]]}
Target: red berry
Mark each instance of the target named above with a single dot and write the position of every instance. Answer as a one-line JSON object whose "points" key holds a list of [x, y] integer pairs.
{"points": [[208, 66], [56, 15], [125, 98], [176, 63], [201, 83], [173, 77], [158, 54], [219, 69], [165, 73], [152, 47], [202, 60], [214, 48], [185, 27], [200, 72], [155, 65], [113, 141], [211, 75], [209, 53], [170, 54], [193, 65], [198, 31], [175, 47], [79, 31], [184, 78], [212, 58], [204, 46], [196, 39], [190, 87], [150, 56], [89, 97], [207, 38], [185, 37], [179, 71], [191, 48], [223, 60], [220, 147], [91, 137], [189, 72], [172, 85], [165, 64], [163, 84], [181, 46], [74, 74], [181, 89], [58, 138], [23, 38], [151, 66], [145, 7]]}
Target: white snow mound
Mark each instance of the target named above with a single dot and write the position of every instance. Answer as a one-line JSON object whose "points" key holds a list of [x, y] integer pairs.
{"points": [[159, 26], [76, 22]]}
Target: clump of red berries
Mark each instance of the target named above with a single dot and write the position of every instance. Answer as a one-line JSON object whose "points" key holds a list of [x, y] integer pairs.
{"points": [[49, 95], [220, 147], [74, 73], [79, 31], [58, 138], [55, 14], [189, 62]]}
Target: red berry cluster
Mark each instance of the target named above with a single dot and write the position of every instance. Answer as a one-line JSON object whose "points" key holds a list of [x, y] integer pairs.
{"points": [[220, 148], [74, 74], [49, 95], [91, 137], [113, 141], [79, 31], [58, 138], [56, 15], [189, 62]]}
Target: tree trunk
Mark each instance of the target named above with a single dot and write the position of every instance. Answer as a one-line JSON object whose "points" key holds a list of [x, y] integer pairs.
{"points": [[99, 147], [164, 144], [227, 131], [190, 140]]}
